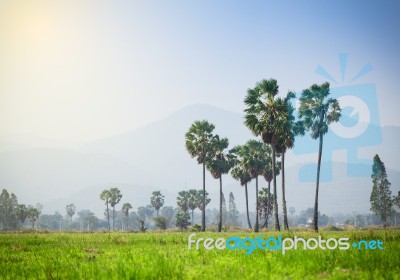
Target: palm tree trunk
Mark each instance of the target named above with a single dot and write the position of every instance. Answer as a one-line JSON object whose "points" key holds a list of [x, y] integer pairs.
{"points": [[267, 210], [203, 214], [113, 216], [315, 220], [220, 204], [247, 207], [108, 216], [256, 226], [285, 220], [192, 217], [276, 218]]}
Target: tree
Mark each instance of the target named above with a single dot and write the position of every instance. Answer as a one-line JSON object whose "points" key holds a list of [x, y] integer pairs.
{"points": [[265, 205], [161, 222], [182, 220], [33, 215], [233, 212], [115, 198], [169, 213], [125, 209], [183, 200], [286, 141], [240, 173], [194, 197], [106, 196], [22, 213], [71, 209], [197, 142], [258, 155], [268, 176], [265, 116], [381, 196], [316, 112], [220, 162], [157, 200], [8, 205]]}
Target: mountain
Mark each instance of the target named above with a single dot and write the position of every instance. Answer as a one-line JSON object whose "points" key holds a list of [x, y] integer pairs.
{"points": [[154, 157]]}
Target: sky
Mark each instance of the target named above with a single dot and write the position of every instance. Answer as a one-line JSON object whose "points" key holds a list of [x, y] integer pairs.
{"points": [[76, 71]]}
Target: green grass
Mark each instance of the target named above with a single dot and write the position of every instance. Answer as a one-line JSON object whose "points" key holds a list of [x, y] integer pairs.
{"points": [[166, 256]]}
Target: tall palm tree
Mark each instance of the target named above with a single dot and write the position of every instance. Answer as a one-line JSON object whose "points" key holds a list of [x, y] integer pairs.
{"points": [[286, 141], [115, 198], [219, 163], [106, 196], [157, 200], [316, 112], [263, 116], [239, 172], [258, 155], [125, 209], [197, 142], [71, 209]]}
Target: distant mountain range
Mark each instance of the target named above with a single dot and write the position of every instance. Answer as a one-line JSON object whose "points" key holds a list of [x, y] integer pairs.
{"points": [[154, 157]]}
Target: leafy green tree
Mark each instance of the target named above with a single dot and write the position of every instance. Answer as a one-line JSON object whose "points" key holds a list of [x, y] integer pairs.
{"points": [[71, 209], [233, 212], [106, 196], [115, 198], [182, 220], [157, 200], [182, 200], [8, 205], [316, 112], [197, 142], [169, 213], [161, 222], [33, 215], [240, 173], [381, 196], [268, 176], [194, 197], [220, 162], [22, 213], [265, 117], [125, 209], [265, 202]]}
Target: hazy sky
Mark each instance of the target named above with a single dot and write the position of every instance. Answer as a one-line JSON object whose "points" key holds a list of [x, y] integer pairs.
{"points": [[75, 71]]}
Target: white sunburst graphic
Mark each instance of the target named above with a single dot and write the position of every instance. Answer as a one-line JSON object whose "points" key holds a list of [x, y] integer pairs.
{"points": [[358, 107]]}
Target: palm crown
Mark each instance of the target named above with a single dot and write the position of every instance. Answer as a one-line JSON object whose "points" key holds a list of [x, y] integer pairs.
{"points": [[316, 111]]}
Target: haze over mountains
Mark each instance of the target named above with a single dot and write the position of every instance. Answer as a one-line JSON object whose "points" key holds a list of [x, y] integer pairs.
{"points": [[154, 157]]}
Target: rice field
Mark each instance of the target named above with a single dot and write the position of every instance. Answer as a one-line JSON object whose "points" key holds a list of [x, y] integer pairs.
{"points": [[165, 255]]}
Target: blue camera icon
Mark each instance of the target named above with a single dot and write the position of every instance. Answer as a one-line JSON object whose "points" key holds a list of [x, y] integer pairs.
{"points": [[358, 127]]}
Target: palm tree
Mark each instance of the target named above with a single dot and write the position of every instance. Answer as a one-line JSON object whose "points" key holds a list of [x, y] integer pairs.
{"points": [[286, 141], [71, 209], [193, 201], [197, 142], [263, 116], [21, 212], [268, 176], [33, 214], [106, 196], [182, 200], [157, 200], [316, 112], [115, 198], [125, 209], [219, 163], [258, 155], [240, 173]]}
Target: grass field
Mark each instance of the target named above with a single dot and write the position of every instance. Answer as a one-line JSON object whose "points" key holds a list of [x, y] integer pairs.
{"points": [[166, 256]]}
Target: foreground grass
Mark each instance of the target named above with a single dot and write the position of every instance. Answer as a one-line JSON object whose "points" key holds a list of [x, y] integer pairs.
{"points": [[166, 256]]}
